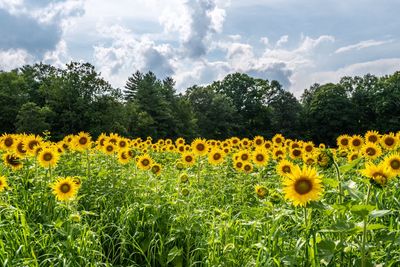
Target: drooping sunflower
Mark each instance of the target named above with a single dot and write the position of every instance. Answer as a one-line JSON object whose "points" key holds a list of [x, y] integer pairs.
{"points": [[82, 141], [380, 173], [278, 139], [343, 141], [65, 189], [12, 160], [258, 141], [324, 159], [284, 168], [48, 157], [392, 162], [199, 147], [3, 183], [144, 162], [261, 191], [356, 142], [260, 156], [302, 186], [372, 137], [388, 141], [188, 158], [371, 150], [216, 156], [156, 168]]}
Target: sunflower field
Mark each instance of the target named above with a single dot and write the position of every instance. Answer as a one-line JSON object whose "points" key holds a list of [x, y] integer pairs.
{"points": [[116, 201]]}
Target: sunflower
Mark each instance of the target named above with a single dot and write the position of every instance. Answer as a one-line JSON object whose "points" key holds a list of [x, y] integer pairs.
{"points": [[258, 141], [123, 143], [109, 147], [302, 186], [179, 141], [261, 191], [295, 153], [321, 146], [268, 145], [65, 188], [7, 142], [278, 153], [184, 178], [380, 174], [12, 160], [295, 144], [123, 156], [31, 141], [356, 142], [388, 141], [82, 141], [372, 137], [216, 156], [238, 165], [245, 142], [392, 162], [343, 141], [247, 167], [353, 156], [308, 159], [260, 157], [156, 168], [113, 138], [20, 148], [199, 147], [284, 168], [181, 148], [3, 183], [244, 155], [188, 158], [235, 141], [101, 140], [278, 139], [48, 157], [371, 151], [144, 162], [324, 160]]}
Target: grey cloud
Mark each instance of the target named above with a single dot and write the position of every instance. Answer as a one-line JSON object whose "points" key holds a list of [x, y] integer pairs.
{"points": [[277, 71], [26, 33], [199, 28], [157, 63]]}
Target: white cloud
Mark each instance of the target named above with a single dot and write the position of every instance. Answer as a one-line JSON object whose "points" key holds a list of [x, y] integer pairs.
{"points": [[283, 40], [14, 58], [361, 45]]}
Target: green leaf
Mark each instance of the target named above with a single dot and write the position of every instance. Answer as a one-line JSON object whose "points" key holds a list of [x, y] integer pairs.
{"points": [[362, 210], [331, 182], [340, 227], [173, 253], [379, 213], [326, 251], [345, 168]]}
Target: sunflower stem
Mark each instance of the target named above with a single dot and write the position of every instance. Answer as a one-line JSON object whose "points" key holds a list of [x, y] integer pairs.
{"points": [[87, 164], [339, 178], [364, 236], [306, 237]]}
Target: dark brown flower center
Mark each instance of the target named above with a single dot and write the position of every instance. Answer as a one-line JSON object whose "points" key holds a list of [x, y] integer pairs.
{"points": [[395, 164], [258, 142], [188, 158], [83, 140], [303, 186], [200, 147], [309, 148], [13, 160], [110, 148], [278, 140], [122, 144], [389, 141], [32, 144], [286, 169], [296, 152], [65, 188], [372, 138], [244, 157], [344, 142], [145, 162], [247, 167], [370, 151], [47, 156], [356, 142], [216, 156], [239, 164], [8, 141], [260, 157], [20, 148]]}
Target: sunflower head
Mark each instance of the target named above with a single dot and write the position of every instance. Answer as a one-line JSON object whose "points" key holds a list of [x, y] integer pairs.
{"points": [[372, 136], [260, 157], [356, 142], [199, 147], [392, 162], [278, 139], [388, 141], [216, 156], [188, 159], [48, 157], [247, 167], [258, 141], [156, 169], [371, 151], [379, 174], [13, 161], [144, 162], [65, 189], [302, 186], [343, 141], [284, 168], [184, 178], [261, 191]]}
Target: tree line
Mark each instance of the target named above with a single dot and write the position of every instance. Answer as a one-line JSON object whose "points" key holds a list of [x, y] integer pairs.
{"points": [[40, 97]]}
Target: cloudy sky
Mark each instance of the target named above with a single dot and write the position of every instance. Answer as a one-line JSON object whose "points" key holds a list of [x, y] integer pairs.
{"points": [[297, 42]]}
